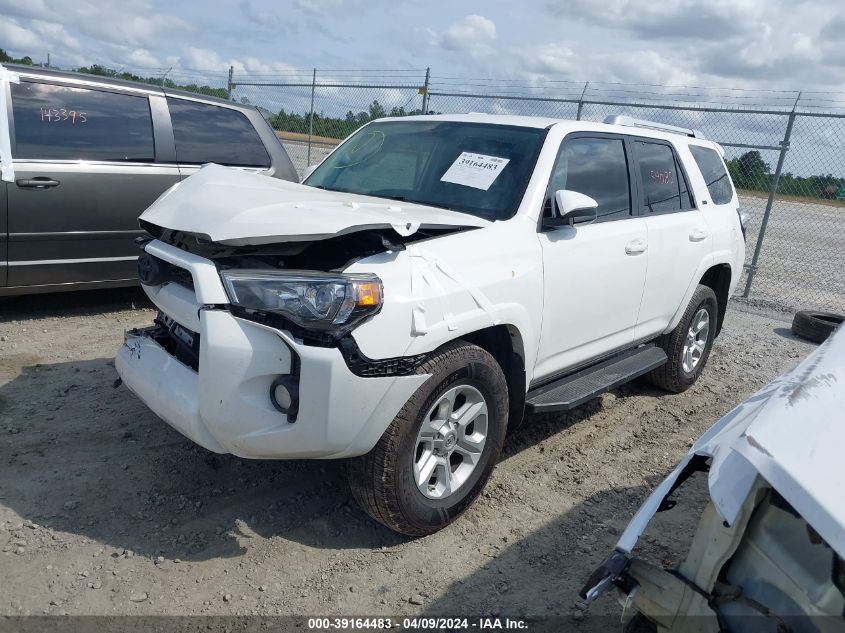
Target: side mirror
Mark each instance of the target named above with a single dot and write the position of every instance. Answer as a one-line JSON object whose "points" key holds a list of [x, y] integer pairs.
{"points": [[308, 171], [572, 208]]}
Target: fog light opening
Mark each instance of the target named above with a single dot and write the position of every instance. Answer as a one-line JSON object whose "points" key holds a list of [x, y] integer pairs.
{"points": [[284, 395]]}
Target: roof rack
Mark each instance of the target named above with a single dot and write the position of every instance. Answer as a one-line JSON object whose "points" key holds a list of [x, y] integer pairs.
{"points": [[618, 119]]}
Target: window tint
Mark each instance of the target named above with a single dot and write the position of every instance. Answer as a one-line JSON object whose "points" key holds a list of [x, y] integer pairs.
{"points": [[664, 187], [63, 123], [596, 167], [213, 134], [715, 175]]}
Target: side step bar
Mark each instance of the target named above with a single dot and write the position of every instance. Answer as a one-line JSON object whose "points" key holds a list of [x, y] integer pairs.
{"points": [[576, 389]]}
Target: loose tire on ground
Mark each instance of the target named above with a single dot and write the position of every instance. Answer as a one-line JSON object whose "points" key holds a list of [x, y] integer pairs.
{"points": [[815, 326], [385, 483], [673, 376]]}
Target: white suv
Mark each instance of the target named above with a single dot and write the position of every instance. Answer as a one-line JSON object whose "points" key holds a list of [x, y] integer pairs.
{"points": [[433, 279]]}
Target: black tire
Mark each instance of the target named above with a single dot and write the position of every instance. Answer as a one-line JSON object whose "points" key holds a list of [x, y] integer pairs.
{"points": [[815, 326], [672, 376], [382, 481]]}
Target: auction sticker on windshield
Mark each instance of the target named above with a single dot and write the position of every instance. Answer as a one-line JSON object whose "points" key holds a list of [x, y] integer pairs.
{"points": [[475, 170]]}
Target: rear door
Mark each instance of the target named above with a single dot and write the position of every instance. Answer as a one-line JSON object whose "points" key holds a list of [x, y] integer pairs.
{"points": [[85, 169], [208, 133], [678, 236]]}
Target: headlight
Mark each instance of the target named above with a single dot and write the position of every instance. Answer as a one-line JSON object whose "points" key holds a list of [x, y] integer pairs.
{"points": [[317, 301]]}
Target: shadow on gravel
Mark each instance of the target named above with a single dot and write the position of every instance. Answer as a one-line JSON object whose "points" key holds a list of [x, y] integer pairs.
{"points": [[538, 427], [78, 455], [67, 304], [539, 576]]}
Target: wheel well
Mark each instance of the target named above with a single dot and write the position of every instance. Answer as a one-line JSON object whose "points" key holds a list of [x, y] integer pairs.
{"points": [[504, 343], [718, 278]]}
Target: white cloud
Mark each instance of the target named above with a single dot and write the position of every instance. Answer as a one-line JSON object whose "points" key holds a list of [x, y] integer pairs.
{"points": [[16, 37], [473, 34]]}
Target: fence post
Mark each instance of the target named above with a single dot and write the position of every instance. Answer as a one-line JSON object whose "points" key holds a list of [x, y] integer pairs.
{"points": [[784, 147], [425, 91], [581, 101], [229, 84], [311, 117]]}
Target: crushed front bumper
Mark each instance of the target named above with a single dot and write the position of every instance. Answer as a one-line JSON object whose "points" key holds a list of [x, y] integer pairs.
{"points": [[224, 403]]}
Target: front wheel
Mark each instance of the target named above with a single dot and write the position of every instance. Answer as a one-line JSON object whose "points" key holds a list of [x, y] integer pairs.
{"points": [[436, 456], [688, 345]]}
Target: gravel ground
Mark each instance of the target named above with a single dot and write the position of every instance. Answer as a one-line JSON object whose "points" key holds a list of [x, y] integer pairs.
{"points": [[106, 510]]}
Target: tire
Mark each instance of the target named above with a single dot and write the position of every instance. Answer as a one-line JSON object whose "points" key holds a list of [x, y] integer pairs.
{"points": [[384, 482], [678, 374], [815, 326]]}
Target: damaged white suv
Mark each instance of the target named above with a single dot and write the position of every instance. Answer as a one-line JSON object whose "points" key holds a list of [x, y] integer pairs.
{"points": [[432, 279]]}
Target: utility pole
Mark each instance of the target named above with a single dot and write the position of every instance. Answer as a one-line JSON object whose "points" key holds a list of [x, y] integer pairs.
{"points": [[229, 84]]}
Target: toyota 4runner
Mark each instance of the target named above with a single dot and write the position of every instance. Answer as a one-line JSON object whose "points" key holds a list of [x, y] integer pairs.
{"points": [[432, 280]]}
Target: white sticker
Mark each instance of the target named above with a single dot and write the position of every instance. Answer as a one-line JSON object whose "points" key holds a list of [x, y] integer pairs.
{"points": [[475, 170]]}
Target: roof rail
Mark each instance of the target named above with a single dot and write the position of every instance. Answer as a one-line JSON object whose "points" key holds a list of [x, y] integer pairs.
{"points": [[618, 119]]}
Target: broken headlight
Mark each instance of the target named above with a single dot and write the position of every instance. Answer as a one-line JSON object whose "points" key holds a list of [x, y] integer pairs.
{"points": [[317, 301]]}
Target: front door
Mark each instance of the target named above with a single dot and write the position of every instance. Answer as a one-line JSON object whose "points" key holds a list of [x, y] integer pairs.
{"points": [[84, 171], [593, 274]]}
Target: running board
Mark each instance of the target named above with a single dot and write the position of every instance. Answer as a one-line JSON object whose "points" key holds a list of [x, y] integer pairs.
{"points": [[576, 389]]}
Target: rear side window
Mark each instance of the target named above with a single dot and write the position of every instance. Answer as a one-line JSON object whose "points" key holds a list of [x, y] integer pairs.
{"points": [[596, 167], [207, 133], [64, 123], [665, 189], [715, 175]]}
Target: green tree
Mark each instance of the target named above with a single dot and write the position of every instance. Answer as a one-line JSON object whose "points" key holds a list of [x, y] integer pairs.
{"points": [[5, 58]]}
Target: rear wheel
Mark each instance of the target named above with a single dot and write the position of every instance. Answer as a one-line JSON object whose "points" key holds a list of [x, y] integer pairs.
{"points": [[436, 456], [688, 345]]}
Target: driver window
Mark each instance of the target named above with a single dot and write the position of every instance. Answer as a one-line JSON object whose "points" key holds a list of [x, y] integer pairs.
{"points": [[596, 167]]}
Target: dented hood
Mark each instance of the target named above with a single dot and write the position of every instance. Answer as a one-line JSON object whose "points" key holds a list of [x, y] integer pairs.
{"points": [[240, 208]]}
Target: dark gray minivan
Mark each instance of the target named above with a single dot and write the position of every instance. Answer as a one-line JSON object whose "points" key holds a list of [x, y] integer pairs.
{"points": [[90, 154]]}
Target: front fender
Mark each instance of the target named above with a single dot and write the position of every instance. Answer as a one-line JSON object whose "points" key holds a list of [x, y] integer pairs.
{"points": [[442, 289]]}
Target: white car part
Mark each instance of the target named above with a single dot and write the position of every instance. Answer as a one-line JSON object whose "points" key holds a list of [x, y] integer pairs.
{"points": [[7, 170], [787, 436]]}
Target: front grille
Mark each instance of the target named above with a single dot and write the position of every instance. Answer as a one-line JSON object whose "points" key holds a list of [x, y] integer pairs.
{"points": [[153, 271], [180, 342]]}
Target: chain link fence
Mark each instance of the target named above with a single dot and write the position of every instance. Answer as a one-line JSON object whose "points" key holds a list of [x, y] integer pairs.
{"points": [[785, 150]]}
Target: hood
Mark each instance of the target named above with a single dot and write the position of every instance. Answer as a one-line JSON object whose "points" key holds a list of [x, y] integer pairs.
{"points": [[242, 208], [788, 436]]}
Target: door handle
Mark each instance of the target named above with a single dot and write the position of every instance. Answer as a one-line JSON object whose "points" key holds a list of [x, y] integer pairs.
{"points": [[635, 247], [37, 183], [698, 235]]}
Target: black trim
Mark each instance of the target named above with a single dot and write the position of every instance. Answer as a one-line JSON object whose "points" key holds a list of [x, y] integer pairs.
{"points": [[365, 367]]}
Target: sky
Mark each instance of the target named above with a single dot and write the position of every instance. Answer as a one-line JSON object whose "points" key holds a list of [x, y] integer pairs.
{"points": [[697, 47], [781, 44]]}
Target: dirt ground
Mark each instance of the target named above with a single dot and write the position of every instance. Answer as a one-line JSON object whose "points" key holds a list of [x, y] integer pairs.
{"points": [[106, 510]]}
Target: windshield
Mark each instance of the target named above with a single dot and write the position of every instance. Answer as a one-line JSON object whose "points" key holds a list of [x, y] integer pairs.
{"points": [[475, 168]]}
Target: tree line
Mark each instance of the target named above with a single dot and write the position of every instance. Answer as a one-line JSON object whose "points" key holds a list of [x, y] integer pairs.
{"points": [[333, 127], [752, 173]]}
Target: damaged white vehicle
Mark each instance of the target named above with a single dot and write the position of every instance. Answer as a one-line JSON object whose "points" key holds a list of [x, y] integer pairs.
{"points": [[432, 279], [769, 552]]}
